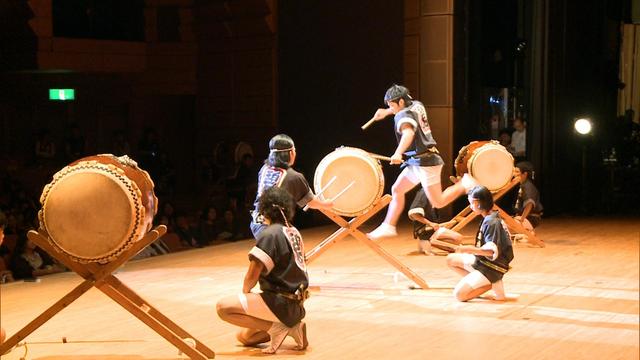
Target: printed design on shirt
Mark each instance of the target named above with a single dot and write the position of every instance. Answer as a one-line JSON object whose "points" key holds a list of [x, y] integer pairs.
{"points": [[421, 112], [270, 177], [505, 227], [295, 240]]}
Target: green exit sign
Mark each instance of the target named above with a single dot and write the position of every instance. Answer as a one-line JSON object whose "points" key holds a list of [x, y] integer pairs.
{"points": [[62, 94]]}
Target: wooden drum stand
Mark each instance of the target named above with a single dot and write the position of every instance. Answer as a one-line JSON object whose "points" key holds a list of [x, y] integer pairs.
{"points": [[100, 276], [351, 228], [465, 216]]}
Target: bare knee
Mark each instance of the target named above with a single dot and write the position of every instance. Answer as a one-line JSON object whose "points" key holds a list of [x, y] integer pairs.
{"points": [[453, 261], [397, 189], [435, 197], [462, 291], [221, 309], [460, 295], [225, 308], [438, 201]]}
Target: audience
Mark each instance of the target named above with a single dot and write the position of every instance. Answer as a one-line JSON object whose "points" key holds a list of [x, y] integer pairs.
{"points": [[185, 232], [504, 136], [45, 150], [28, 261], [208, 226], [75, 145], [229, 229], [519, 139], [223, 196], [119, 144]]}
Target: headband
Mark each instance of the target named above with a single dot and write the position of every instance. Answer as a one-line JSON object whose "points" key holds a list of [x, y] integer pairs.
{"points": [[281, 150]]}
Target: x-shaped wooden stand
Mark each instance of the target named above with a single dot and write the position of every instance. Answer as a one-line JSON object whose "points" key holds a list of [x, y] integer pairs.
{"points": [[351, 228], [466, 216], [99, 275]]}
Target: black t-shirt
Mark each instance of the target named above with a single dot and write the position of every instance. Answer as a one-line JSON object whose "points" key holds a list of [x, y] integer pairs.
{"points": [[528, 193], [416, 116], [493, 231], [281, 250], [288, 179]]}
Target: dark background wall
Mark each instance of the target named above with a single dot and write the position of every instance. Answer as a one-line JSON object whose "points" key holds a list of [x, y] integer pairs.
{"points": [[245, 70], [335, 64]]}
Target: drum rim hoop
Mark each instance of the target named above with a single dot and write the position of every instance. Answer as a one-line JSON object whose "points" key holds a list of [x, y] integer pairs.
{"points": [[372, 162], [491, 145], [134, 194]]}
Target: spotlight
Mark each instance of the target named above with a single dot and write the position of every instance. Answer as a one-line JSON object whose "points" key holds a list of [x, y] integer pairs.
{"points": [[583, 126]]}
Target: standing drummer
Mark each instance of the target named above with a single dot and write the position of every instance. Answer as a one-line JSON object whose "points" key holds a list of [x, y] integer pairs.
{"points": [[277, 171], [424, 164]]}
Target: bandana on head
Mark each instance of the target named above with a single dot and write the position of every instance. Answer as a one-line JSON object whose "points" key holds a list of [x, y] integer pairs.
{"points": [[281, 150]]}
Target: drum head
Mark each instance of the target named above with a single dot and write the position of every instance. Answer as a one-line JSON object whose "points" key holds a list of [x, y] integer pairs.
{"points": [[352, 168], [90, 214], [492, 166]]}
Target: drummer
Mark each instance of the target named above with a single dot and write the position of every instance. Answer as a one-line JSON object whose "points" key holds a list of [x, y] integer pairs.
{"points": [[277, 171], [424, 165]]}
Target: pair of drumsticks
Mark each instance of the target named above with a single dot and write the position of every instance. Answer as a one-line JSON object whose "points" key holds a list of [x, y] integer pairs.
{"points": [[326, 186]]}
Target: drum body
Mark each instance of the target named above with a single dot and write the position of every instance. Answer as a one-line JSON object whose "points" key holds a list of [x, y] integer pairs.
{"points": [[348, 165], [488, 162], [97, 207]]}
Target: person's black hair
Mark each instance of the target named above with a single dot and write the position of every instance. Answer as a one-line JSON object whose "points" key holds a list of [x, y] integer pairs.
{"points": [[3, 223], [397, 92], [279, 153], [483, 195], [525, 167], [274, 203]]}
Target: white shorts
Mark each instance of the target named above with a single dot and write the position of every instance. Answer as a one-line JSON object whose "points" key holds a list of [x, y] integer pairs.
{"points": [[425, 175], [468, 260], [253, 305]]}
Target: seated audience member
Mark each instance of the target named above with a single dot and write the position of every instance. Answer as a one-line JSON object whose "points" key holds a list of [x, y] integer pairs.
{"points": [[208, 226], [185, 232], [504, 137], [29, 261], [229, 229], [45, 149], [519, 139]]}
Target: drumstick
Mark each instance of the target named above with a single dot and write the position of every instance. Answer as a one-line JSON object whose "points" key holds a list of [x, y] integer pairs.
{"points": [[381, 157], [306, 207], [326, 185], [343, 191], [443, 244], [368, 123]]}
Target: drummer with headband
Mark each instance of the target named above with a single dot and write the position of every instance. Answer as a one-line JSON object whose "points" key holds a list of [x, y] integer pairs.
{"points": [[424, 165], [277, 171]]}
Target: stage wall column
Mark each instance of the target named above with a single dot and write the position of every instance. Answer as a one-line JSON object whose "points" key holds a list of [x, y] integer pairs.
{"points": [[428, 68]]}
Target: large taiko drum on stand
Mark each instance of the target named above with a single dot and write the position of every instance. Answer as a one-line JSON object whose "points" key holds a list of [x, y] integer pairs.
{"points": [[356, 171], [488, 162], [97, 207]]}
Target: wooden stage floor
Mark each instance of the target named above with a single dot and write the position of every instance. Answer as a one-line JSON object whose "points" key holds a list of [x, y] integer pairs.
{"points": [[578, 299]]}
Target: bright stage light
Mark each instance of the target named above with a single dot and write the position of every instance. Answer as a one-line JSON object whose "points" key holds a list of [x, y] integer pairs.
{"points": [[583, 126]]}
